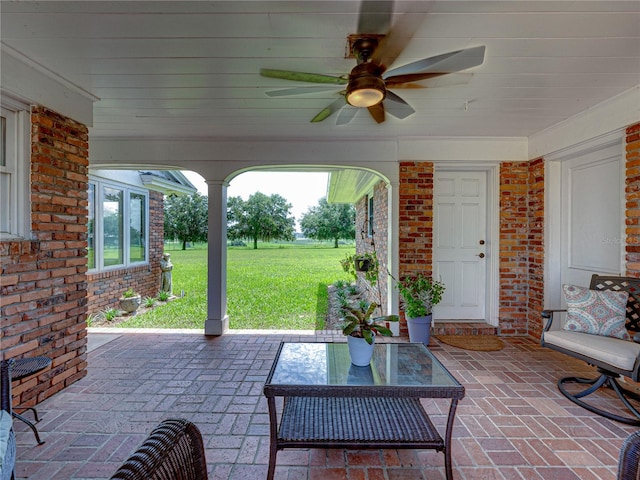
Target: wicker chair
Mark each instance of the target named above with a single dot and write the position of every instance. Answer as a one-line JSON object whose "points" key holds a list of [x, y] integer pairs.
{"points": [[629, 463], [8, 440], [173, 451]]}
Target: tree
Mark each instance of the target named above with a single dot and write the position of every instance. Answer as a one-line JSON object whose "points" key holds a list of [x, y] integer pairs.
{"points": [[329, 221], [186, 218], [260, 218]]}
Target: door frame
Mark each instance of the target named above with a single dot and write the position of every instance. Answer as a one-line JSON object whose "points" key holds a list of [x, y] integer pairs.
{"points": [[553, 216], [492, 170]]}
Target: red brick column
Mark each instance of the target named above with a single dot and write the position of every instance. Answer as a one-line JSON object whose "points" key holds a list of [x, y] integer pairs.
{"points": [[521, 247], [43, 283], [415, 239], [535, 215], [632, 197], [514, 262]]}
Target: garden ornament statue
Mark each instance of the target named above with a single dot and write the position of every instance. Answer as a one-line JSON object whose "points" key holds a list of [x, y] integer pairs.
{"points": [[166, 266]]}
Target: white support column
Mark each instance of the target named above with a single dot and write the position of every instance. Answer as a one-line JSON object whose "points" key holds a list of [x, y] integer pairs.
{"points": [[217, 322]]}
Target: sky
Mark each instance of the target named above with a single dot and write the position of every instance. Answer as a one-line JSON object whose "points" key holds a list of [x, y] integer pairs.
{"points": [[301, 189]]}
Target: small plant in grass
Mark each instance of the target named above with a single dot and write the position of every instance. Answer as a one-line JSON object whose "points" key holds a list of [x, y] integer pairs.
{"points": [[163, 296], [340, 284], [149, 302], [110, 314]]}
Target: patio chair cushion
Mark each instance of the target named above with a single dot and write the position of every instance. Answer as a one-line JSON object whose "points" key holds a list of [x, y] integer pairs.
{"points": [[608, 350], [7, 445], [596, 312]]}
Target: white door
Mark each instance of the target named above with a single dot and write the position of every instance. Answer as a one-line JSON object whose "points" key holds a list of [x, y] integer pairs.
{"points": [[460, 244], [592, 190]]}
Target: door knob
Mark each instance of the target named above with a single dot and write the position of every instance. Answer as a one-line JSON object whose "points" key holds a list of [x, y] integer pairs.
{"points": [[481, 242], [481, 255]]}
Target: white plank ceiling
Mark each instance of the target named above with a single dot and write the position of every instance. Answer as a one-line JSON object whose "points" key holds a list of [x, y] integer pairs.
{"points": [[172, 69]]}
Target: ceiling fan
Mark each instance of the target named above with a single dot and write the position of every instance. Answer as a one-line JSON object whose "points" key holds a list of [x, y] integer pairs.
{"points": [[375, 47]]}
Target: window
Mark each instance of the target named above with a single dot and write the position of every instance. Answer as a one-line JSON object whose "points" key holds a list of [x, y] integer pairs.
{"points": [[111, 208], [137, 227], [14, 173], [370, 230], [91, 227]]}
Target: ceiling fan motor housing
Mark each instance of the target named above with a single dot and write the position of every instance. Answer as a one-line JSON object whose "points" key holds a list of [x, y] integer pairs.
{"points": [[365, 80]]}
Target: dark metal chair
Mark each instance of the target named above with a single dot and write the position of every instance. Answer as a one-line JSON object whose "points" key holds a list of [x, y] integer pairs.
{"points": [[173, 451], [9, 453], [629, 462], [23, 368], [612, 357]]}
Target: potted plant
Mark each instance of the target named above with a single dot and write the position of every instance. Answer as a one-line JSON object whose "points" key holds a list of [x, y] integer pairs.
{"points": [[366, 263], [419, 294], [361, 329], [130, 301]]}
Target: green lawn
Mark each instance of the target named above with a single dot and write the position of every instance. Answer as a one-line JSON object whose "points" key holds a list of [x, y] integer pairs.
{"points": [[277, 286]]}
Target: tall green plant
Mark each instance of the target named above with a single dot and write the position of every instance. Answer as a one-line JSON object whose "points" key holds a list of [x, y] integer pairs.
{"points": [[419, 294]]}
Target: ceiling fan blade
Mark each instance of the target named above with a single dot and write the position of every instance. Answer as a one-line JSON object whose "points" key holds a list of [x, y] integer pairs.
{"points": [[286, 92], [409, 77], [302, 76], [346, 115], [446, 63], [391, 46], [396, 106], [375, 16], [430, 80], [330, 109], [377, 112]]}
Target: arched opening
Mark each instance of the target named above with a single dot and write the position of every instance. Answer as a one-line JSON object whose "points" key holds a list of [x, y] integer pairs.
{"points": [[359, 185]]}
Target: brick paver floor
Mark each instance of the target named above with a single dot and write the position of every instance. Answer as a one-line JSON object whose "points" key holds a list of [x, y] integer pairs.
{"points": [[512, 424]]}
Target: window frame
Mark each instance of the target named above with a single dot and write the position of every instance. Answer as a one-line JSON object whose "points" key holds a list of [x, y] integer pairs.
{"points": [[18, 166], [370, 214], [99, 185]]}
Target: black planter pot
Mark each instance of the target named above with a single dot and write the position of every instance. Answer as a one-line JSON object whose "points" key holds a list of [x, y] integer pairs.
{"points": [[362, 264]]}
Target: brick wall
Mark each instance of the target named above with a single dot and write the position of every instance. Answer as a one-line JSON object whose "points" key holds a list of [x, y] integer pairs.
{"points": [[415, 222], [43, 285], [521, 246], [105, 288], [632, 197], [364, 243]]}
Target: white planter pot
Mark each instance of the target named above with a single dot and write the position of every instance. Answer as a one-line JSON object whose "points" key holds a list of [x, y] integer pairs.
{"points": [[419, 329], [360, 351]]}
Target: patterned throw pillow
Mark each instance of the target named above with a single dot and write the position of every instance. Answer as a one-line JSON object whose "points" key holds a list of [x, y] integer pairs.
{"points": [[598, 312]]}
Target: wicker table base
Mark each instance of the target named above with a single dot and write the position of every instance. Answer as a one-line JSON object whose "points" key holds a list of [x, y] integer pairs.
{"points": [[345, 422], [329, 403]]}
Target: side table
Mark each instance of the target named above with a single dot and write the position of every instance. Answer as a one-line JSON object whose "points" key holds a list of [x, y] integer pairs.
{"points": [[23, 368]]}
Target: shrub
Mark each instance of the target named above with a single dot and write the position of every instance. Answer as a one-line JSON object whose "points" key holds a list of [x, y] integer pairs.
{"points": [[149, 302], [110, 314]]}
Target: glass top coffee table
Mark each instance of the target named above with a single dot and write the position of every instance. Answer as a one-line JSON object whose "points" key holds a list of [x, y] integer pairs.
{"points": [[330, 403]]}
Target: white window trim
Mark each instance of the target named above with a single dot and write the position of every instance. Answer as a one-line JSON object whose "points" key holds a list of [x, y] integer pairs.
{"points": [[99, 185], [18, 136]]}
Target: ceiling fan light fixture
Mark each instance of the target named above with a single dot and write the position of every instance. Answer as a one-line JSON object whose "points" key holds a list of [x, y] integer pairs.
{"points": [[366, 87]]}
